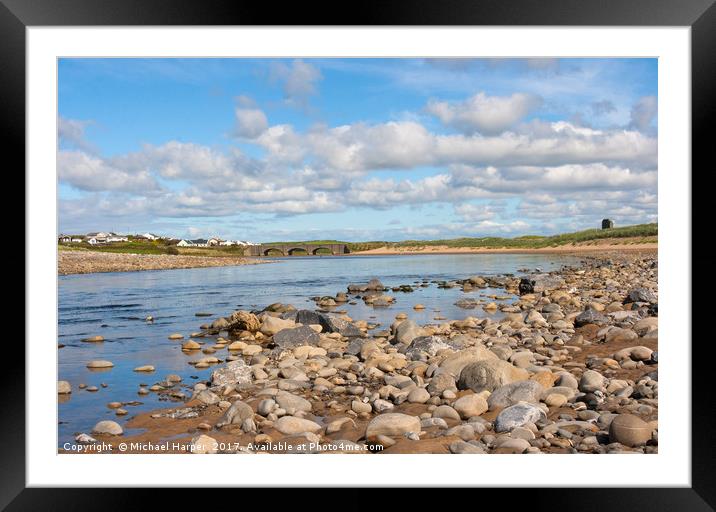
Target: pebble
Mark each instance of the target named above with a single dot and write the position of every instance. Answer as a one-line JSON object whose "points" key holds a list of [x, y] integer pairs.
{"points": [[100, 364]]}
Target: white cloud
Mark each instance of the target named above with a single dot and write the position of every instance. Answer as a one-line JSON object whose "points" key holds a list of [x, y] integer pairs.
{"points": [[250, 122], [475, 212], [643, 113], [299, 80], [87, 172], [488, 115], [72, 132]]}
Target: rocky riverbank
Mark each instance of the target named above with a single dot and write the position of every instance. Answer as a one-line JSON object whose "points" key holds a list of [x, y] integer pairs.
{"points": [[87, 262], [562, 362]]}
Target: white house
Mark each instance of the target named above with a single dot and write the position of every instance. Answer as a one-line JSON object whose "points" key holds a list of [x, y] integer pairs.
{"points": [[183, 243], [150, 236], [64, 238], [228, 242], [96, 240], [214, 241], [117, 238]]}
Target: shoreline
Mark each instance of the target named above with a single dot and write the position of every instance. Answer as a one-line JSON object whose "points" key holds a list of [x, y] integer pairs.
{"points": [[564, 249], [95, 262]]}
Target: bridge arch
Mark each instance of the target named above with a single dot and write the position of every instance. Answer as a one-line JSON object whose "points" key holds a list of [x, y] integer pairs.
{"points": [[315, 250], [268, 250], [294, 250]]}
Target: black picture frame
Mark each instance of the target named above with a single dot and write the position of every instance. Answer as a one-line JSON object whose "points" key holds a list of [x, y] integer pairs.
{"points": [[700, 15]]}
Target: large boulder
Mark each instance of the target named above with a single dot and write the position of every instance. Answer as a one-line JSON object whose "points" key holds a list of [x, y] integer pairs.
{"points": [[239, 413], [591, 381], [515, 392], [590, 316], [470, 405], [423, 347], [545, 282], [334, 323], [454, 363], [407, 331], [292, 403], [272, 325], [108, 427], [640, 295], [235, 373], [328, 321], [295, 337], [63, 387], [516, 416], [489, 375], [629, 430], [440, 383], [291, 425], [391, 424], [244, 321]]}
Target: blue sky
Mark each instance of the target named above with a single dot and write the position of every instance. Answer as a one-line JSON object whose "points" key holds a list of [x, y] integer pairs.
{"points": [[355, 149]]}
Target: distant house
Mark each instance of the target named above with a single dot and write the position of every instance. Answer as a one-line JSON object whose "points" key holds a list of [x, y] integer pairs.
{"points": [[96, 240], [76, 240], [212, 242], [64, 238], [228, 243], [183, 243], [117, 238], [98, 234], [607, 223], [199, 242]]}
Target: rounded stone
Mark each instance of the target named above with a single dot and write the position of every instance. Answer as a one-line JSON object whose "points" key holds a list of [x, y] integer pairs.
{"points": [[418, 396], [100, 364], [63, 387], [470, 405], [591, 381], [629, 430], [555, 400], [107, 427], [391, 424], [290, 425]]}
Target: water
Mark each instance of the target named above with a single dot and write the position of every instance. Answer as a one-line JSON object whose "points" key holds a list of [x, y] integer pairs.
{"points": [[115, 305]]}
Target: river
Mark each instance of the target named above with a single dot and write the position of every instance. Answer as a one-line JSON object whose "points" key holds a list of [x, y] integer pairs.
{"points": [[115, 305]]}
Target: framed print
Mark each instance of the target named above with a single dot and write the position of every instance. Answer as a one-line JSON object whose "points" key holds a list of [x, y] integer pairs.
{"points": [[418, 238]]}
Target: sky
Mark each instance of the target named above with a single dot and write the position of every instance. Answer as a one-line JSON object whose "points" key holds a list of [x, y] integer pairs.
{"points": [[355, 149]]}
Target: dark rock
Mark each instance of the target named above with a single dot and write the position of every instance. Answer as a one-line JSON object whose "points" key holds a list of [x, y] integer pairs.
{"points": [[289, 338], [526, 286], [590, 316], [640, 295], [334, 323]]}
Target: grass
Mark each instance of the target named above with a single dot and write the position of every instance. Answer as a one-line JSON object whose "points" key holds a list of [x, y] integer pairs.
{"points": [[642, 233], [637, 234], [154, 247]]}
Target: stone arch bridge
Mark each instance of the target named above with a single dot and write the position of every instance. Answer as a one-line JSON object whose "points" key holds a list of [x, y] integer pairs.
{"points": [[291, 249]]}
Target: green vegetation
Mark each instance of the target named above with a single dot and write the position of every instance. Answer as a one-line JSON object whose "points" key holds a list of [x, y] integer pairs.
{"points": [[133, 247], [641, 233], [638, 234]]}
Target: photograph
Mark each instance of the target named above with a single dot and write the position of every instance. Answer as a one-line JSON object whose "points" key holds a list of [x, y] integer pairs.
{"points": [[357, 255]]}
